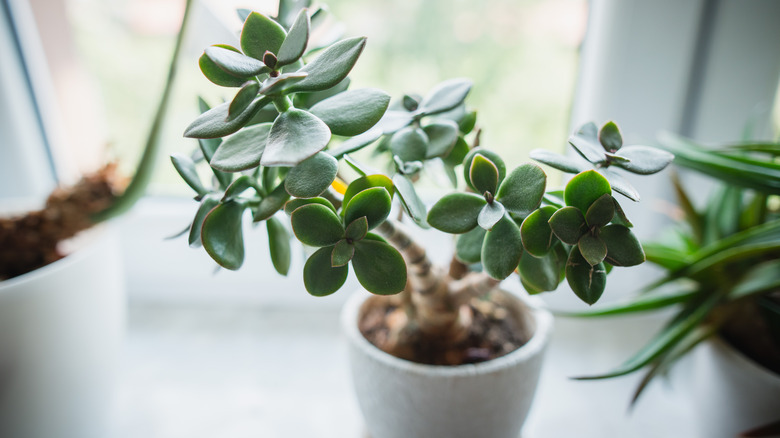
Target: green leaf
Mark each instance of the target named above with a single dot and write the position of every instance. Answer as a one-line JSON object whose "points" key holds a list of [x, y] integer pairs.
{"points": [[456, 213], [293, 204], [316, 225], [342, 253], [601, 211], [592, 248], [445, 96], [587, 282], [619, 184], [367, 182], [236, 188], [765, 277], [234, 63], [557, 161], [409, 144], [275, 86], [610, 137], [458, 153], [356, 143], [468, 247], [392, 121], [295, 136], [483, 175], [352, 112], [584, 189], [261, 34], [312, 176], [208, 147], [620, 217], [585, 141], [442, 135], [568, 224], [623, 248], [490, 215], [294, 43], [242, 150], [502, 249], [411, 203], [466, 123], [186, 169], [640, 303], [644, 160], [379, 267], [373, 203], [222, 235], [216, 75], [279, 245], [542, 274], [331, 67], [271, 203], [319, 275], [213, 123], [522, 191], [536, 232], [206, 205], [490, 155], [357, 229]]}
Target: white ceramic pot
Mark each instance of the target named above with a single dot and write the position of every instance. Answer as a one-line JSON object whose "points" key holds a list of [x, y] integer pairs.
{"points": [[402, 399], [731, 393], [61, 328]]}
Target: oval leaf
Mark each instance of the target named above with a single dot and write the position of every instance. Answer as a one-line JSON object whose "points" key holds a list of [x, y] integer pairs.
{"points": [[295, 136], [312, 176], [502, 249], [592, 248], [541, 274], [409, 144], [537, 235], [483, 175], [644, 160], [456, 213], [522, 191], [490, 155], [490, 215], [357, 229], [206, 205], [601, 211], [442, 136], [242, 150], [222, 235], [290, 206], [316, 225], [271, 203], [587, 282], [446, 96], [214, 123], [623, 248], [186, 169], [294, 43], [279, 245], [342, 253], [585, 188], [568, 224], [586, 143], [410, 201], [319, 275], [379, 267], [235, 63], [331, 67], [367, 182], [261, 34], [557, 161], [610, 138], [218, 76], [373, 203], [352, 112], [468, 247], [274, 86]]}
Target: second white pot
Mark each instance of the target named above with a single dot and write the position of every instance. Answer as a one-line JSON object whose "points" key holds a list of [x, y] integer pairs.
{"points": [[403, 399]]}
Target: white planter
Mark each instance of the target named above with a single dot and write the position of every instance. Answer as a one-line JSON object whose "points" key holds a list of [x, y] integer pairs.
{"points": [[61, 328], [731, 394], [402, 399]]}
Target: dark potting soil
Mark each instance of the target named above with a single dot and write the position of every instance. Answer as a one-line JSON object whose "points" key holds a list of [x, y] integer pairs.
{"points": [[496, 330]]}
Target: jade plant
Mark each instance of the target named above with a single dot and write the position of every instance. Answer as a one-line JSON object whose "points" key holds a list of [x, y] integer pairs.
{"points": [[286, 141]]}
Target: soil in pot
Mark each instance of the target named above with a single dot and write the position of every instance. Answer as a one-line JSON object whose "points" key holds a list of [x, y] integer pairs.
{"points": [[748, 331], [497, 328]]}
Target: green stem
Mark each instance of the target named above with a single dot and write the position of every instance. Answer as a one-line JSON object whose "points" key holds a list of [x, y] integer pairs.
{"points": [[145, 169], [282, 103]]}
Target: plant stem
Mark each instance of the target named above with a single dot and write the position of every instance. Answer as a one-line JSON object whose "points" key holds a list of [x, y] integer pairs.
{"points": [[282, 103]]}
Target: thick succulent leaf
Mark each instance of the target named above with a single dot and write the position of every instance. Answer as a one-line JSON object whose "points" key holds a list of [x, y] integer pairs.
{"points": [[601, 211], [458, 153], [214, 123], [490, 215], [620, 217], [271, 203], [541, 274], [568, 224], [557, 161], [316, 225], [352, 112], [279, 245], [331, 66], [275, 86], [342, 253], [320, 277], [467, 123], [468, 247], [235, 63], [312, 176], [295, 136], [483, 175], [392, 121], [409, 144], [442, 135], [587, 282], [243, 150], [186, 169], [585, 188], [356, 143], [291, 205], [208, 146], [620, 184], [610, 138], [217, 75], [644, 160], [261, 34], [411, 202], [592, 248], [294, 43], [623, 248], [536, 233], [357, 229], [502, 249], [379, 267], [367, 182], [585, 141], [456, 213], [222, 235], [522, 191], [206, 205], [446, 96], [490, 155], [236, 188], [373, 203]]}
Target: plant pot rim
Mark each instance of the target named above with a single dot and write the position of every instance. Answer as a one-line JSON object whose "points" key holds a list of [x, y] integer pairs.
{"points": [[543, 321]]}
